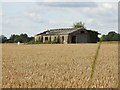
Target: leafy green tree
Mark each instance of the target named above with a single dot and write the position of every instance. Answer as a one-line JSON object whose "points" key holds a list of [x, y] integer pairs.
{"points": [[79, 25], [12, 38], [24, 38], [116, 37], [102, 38], [3, 39], [31, 38], [17, 39], [111, 36]]}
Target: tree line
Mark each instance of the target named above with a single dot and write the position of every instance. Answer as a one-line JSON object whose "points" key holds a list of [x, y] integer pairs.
{"points": [[111, 36], [23, 38]]}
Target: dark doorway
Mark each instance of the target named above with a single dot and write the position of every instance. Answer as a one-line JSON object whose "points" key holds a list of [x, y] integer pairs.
{"points": [[73, 39], [82, 32], [46, 38], [62, 39]]}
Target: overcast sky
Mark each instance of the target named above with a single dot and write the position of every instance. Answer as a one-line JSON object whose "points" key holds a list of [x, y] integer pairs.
{"points": [[35, 17]]}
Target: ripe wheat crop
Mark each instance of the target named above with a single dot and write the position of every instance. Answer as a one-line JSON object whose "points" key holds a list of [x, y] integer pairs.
{"points": [[57, 66], [106, 70]]}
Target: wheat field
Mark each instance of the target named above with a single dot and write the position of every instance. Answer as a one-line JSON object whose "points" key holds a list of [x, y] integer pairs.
{"points": [[106, 70], [59, 66]]}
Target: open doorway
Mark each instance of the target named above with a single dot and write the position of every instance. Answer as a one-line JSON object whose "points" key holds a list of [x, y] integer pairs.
{"points": [[46, 38], [73, 39], [62, 39]]}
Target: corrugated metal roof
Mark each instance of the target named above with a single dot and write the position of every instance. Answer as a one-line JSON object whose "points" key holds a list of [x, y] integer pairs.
{"points": [[61, 31]]}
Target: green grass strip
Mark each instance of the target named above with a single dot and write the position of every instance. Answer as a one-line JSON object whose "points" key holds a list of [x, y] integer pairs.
{"points": [[93, 65]]}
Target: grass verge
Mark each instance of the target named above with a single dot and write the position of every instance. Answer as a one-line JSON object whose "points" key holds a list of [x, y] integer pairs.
{"points": [[93, 65]]}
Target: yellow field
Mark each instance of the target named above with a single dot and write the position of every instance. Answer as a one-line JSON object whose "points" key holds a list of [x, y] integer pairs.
{"points": [[106, 70], [59, 66]]}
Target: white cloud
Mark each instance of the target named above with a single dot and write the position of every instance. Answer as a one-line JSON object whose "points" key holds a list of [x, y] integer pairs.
{"points": [[107, 5], [78, 0], [90, 20], [59, 0], [1, 14], [32, 14], [39, 18], [93, 17], [68, 4]]}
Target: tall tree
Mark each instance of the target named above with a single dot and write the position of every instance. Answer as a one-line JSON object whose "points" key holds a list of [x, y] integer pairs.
{"points": [[12, 38], [17, 39], [3, 39], [79, 25], [24, 38]]}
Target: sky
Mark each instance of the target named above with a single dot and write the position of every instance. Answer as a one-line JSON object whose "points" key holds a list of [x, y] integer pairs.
{"points": [[35, 17]]}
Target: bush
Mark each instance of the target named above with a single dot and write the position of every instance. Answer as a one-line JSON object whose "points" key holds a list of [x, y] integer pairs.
{"points": [[111, 36]]}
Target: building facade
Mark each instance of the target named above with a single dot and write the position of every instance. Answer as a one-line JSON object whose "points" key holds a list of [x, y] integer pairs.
{"points": [[68, 35]]}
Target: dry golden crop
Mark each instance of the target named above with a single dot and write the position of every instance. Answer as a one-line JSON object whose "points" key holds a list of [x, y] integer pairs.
{"points": [[106, 70], [56, 66]]}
